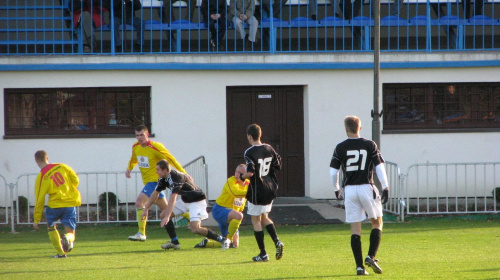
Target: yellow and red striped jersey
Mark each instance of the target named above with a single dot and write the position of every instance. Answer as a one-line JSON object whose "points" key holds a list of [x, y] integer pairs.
{"points": [[60, 182], [233, 195], [147, 157]]}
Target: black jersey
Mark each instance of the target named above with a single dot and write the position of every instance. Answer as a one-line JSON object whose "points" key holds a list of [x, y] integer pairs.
{"points": [[182, 185], [356, 157], [262, 160]]}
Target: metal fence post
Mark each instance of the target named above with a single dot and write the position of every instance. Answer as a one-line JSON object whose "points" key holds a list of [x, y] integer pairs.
{"points": [[11, 187]]}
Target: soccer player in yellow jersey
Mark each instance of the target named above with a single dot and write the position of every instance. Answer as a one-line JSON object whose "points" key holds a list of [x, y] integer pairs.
{"points": [[60, 182], [227, 210], [146, 154]]}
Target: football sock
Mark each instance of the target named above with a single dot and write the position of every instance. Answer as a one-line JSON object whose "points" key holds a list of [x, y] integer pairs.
{"points": [[375, 236], [70, 237], [259, 236], [175, 240], [213, 244], [140, 222], [232, 228], [356, 250], [185, 215], [170, 228], [272, 232], [55, 238], [214, 236]]}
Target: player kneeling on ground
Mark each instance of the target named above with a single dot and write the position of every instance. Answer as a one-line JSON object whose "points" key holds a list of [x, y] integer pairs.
{"points": [[227, 210]]}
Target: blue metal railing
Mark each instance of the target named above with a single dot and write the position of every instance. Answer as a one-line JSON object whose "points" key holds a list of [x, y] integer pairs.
{"points": [[297, 26]]}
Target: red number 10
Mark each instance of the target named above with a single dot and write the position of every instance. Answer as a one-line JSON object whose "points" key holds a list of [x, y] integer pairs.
{"points": [[57, 178]]}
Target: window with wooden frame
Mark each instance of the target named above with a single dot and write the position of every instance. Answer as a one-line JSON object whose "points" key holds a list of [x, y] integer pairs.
{"points": [[441, 107], [75, 112]]}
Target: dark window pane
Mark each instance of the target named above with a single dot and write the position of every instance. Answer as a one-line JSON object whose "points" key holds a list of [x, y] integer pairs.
{"points": [[76, 111], [441, 106]]}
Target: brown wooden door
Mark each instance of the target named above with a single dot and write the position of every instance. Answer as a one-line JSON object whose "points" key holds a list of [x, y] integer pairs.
{"points": [[279, 110]]}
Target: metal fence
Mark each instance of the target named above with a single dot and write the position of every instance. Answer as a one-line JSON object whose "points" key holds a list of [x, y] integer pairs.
{"points": [[452, 188], [57, 26], [107, 197], [394, 205]]}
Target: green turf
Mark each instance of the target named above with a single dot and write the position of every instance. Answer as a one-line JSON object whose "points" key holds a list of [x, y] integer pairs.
{"points": [[430, 249]]}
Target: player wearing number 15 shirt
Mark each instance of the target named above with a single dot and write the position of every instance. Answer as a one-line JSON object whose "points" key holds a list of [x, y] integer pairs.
{"points": [[261, 160]]}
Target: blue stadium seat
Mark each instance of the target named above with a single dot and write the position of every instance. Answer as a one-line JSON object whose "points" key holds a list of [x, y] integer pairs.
{"points": [[333, 21], [393, 21], [482, 20], [303, 22]]}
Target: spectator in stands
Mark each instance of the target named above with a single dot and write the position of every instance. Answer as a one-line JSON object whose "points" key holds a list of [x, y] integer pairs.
{"points": [[86, 15], [215, 14], [276, 5], [351, 10], [477, 8], [124, 13], [241, 11], [168, 14]]}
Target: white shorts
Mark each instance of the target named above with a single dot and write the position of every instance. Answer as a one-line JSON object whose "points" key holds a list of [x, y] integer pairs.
{"points": [[257, 210], [359, 203], [197, 210]]}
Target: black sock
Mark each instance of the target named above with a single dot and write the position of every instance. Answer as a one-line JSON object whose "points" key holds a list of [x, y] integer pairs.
{"points": [[271, 229], [356, 250], [170, 227], [259, 236], [214, 236], [375, 236]]}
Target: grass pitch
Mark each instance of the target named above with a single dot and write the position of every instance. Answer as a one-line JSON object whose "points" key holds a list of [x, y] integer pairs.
{"points": [[458, 248]]}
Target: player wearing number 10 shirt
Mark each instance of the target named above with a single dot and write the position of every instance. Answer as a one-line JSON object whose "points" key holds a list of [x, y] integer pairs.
{"points": [[261, 160], [357, 157], [60, 182]]}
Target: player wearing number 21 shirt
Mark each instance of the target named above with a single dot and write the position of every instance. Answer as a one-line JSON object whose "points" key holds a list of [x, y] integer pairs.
{"points": [[357, 158]]}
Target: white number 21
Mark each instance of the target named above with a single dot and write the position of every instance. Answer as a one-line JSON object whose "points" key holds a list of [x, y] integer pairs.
{"points": [[352, 163]]}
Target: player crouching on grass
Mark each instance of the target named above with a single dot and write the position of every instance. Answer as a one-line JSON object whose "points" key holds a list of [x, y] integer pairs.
{"points": [[192, 200], [356, 157], [60, 182], [227, 210]]}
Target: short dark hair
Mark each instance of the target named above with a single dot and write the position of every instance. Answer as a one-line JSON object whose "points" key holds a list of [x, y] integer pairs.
{"points": [[255, 131], [41, 155], [163, 164], [141, 127]]}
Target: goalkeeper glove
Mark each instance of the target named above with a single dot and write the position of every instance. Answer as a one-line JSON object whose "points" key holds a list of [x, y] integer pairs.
{"points": [[385, 196], [338, 195]]}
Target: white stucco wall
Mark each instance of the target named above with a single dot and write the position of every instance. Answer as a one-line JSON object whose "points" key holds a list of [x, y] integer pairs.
{"points": [[188, 116]]}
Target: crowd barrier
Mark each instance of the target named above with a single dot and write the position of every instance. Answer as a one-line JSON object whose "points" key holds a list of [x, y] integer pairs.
{"points": [[452, 188], [426, 189], [107, 197], [52, 26]]}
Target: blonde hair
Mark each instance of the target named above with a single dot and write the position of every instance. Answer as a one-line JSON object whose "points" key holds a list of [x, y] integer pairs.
{"points": [[352, 124]]}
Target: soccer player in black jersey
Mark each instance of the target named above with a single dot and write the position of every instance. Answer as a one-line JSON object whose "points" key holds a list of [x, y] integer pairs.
{"points": [[192, 200], [357, 157], [261, 160]]}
